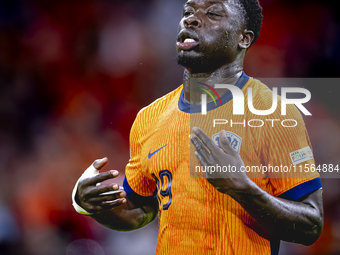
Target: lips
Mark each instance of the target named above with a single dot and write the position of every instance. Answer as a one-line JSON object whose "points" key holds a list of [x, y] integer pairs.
{"points": [[188, 44], [186, 41]]}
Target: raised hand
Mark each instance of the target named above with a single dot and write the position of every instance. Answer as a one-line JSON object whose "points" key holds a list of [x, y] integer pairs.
{"points": [[95, 197], [231, 180]]}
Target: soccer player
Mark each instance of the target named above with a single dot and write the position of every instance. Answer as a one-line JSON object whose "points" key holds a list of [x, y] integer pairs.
{"points": [[226, 212]]}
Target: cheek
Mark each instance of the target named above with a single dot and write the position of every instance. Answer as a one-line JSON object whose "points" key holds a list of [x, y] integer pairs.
{"points": [[211, 39], [215, 35], [219, 40], [233, 38]]}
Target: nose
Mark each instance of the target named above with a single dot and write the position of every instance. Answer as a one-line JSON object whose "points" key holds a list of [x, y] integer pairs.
{"points": [[192, 21]]}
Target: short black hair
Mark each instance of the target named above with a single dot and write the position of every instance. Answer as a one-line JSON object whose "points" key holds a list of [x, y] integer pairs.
{"points": [[253, 16]]}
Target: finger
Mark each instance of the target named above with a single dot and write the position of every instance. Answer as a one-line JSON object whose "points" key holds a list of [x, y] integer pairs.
{"points": [[105, 205], [100, 177], [204, 164], [225, 145], [200, 148], [101, 199], [201, 159], [99, 163], [205, 139], [114, 203], [93, 208], [95, 191]]}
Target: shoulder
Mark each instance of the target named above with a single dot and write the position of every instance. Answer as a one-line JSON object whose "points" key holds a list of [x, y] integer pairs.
{"points": [[261, 93], [151, 112], [161, 103], [263, 99]]}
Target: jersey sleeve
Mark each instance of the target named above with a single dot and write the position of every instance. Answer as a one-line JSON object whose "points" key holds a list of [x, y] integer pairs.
{"points": [[287, 153], [138, 187]]}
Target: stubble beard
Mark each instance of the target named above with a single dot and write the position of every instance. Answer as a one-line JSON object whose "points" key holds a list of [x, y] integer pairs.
{"points": [[202, 63], [198, 64]]}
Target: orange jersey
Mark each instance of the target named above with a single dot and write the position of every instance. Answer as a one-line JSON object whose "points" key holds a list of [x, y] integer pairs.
{"points": [[194, 217]]}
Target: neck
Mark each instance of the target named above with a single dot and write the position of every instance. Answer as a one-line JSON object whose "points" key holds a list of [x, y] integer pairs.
{"points": [[230, 73]]}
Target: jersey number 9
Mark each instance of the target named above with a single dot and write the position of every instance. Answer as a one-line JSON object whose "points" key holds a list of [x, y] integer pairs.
{"points": [[164, 187]]}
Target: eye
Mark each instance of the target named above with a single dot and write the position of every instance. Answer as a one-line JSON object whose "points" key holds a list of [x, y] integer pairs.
{"points": [[187, 13], [212, 14]]}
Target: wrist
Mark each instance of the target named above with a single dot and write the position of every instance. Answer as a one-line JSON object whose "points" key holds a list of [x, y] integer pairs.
{"points": [[244, 188]]}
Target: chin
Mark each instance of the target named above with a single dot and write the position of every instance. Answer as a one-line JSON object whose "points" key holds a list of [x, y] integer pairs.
{"points": [[196, 63]]}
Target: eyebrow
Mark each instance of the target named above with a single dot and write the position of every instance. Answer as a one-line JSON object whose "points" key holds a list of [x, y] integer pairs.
{"points": [[209, 3]]}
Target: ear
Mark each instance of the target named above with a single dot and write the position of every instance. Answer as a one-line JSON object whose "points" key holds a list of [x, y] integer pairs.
{"points": [[246, 39]]}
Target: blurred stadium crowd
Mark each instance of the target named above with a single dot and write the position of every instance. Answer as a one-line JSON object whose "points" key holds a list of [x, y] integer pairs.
{"points": [[74, 74]]}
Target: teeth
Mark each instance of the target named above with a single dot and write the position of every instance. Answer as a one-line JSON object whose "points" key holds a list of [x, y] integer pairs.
{"points": [[189, 40]]}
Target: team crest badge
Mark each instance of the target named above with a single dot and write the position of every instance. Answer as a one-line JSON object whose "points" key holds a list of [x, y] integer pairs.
{"points": [[234, 140]]}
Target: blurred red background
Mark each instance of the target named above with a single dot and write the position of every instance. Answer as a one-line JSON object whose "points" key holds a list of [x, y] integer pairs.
{"points": [[74, 74]]}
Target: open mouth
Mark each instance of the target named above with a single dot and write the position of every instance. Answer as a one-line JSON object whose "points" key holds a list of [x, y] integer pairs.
{"points": [[186, 41]]}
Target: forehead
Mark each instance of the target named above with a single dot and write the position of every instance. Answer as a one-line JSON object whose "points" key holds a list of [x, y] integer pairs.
{"points": [[224, 3]]}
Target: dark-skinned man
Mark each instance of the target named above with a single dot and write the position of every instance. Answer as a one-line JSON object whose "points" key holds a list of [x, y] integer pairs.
{"points": [[226, 212]]}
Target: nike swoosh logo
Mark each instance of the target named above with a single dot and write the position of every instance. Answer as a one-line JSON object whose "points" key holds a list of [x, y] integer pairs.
{"points": [[153, 153]]}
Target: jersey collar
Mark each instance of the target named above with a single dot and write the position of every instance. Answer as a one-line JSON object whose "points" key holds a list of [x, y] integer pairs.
{"points": [[187, 108]]}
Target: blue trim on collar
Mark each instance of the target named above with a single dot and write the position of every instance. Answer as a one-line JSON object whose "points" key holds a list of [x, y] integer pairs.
{"points": [[274, 247], [185, 107]]}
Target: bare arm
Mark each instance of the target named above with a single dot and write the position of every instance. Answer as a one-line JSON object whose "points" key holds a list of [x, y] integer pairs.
{"points": [[114, 209], [294, 221]]}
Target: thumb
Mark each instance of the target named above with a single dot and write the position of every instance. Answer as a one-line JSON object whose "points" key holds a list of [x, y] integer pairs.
{"points": [[99, 163], [224, 142], [94, 168]]}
